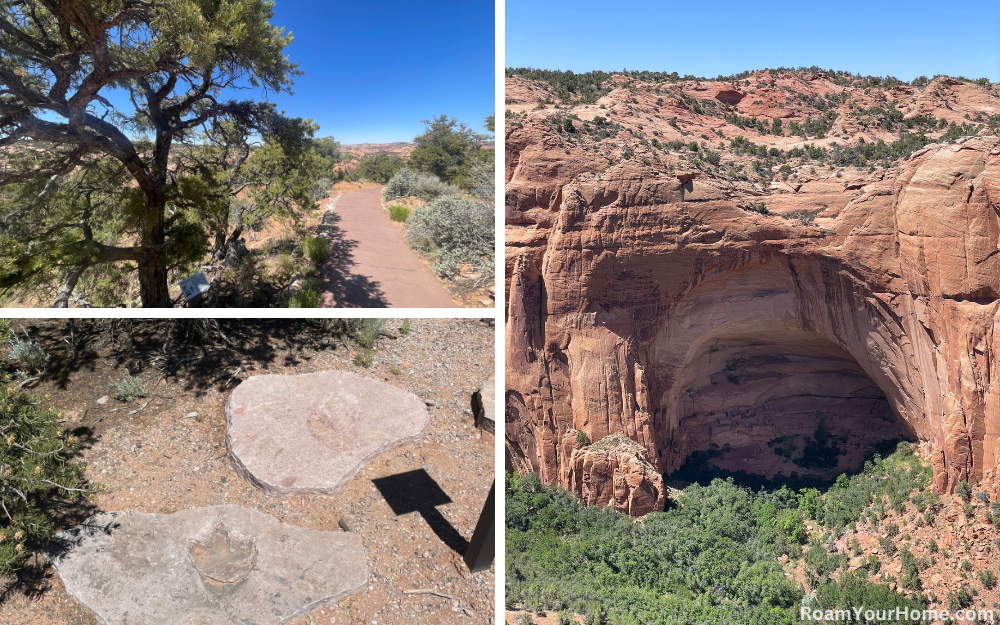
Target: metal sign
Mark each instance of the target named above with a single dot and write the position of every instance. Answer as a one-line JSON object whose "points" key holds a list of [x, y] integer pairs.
{"points": [[194, 286]]}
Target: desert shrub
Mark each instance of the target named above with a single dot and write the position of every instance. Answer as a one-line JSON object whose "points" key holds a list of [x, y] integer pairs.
{"points": [[128, 388], [28, 353], [454, 230], [988, 579], [405, 327], [399, 213], [964, 490], [315, 249], [364, 332], [34, 474], [407, 183], [791, 525], [307, 296], [320, 189], [582, 439], [380, 167]]}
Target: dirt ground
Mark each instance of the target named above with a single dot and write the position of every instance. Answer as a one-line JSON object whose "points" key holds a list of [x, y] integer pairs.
{"points": [[170, 454]]}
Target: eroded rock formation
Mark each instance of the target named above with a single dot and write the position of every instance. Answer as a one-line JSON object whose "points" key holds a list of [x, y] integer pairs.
{"points": [[646, 300]]}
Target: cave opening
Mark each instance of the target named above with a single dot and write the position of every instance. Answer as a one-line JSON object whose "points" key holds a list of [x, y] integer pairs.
{"points": [[771, 405]]}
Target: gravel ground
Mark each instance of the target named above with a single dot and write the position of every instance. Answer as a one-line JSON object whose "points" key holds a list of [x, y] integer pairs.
{"points": [[171, 455]]}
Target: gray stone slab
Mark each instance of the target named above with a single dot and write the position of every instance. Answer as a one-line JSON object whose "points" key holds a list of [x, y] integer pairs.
{"points": [[310, 433], [485, 406], [219, 565]]}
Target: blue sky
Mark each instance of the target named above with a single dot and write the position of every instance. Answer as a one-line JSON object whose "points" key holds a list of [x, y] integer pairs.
{"points": [[373, 70], [903, 39]]}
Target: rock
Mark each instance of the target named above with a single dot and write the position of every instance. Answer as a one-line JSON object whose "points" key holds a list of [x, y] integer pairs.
{"points": [[75, 416], [483, 405], [103, 400], [649, 304], [293, 434], [218, 565], [613, 472]]}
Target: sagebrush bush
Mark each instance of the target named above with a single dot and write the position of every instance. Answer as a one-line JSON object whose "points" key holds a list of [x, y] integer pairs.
{"points": [[455, 230], [409, 183], [128, 388], [28, 353], [315, 249], [398, 213], [34, 474]]}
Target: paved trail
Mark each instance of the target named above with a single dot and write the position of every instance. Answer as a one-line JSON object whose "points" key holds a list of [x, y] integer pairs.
{"points": [[370, 265]]}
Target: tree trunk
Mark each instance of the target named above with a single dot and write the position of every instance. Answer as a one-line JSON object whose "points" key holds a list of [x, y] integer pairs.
{"points": [[154, 291], [153, 287]]}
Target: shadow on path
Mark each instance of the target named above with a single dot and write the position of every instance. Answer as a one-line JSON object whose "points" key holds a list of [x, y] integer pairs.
{"points": [[342, 287], [416, 491]]}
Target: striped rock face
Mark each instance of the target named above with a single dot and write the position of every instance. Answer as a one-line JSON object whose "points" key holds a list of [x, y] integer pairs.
{"points": [[311, 433], [217, 565]]}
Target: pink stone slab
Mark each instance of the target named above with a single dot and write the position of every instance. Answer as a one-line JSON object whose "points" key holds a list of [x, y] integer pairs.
{"points": [[310, 433]]}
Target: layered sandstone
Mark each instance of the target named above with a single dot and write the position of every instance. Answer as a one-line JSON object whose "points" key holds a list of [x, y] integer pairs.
{"points": [[645, 299]]}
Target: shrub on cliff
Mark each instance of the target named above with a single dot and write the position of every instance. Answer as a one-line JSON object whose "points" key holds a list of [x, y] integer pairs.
{"points": [[34, 474]]}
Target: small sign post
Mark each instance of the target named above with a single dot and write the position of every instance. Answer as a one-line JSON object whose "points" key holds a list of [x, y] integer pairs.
{"points": [[479, 555], [193, 287]]}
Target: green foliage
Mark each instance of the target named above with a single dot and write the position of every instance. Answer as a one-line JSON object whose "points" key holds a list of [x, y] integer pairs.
{"points": [[380, 167], [676, 565], [128, 388], [405, 328], [399, 213], [172, 60], [407, 183], [892, 478], [852, 589], [448, 149], [582, 440], [987, 578], [964, 490], [316, 249], [364, 332], [791, 524], [454, 230], [307, 296], [35, 476]]}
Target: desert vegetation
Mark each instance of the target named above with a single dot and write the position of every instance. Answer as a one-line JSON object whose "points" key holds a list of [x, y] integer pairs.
{"points": [[723, 552]]}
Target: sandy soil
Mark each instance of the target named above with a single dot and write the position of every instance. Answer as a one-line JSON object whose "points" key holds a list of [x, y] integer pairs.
{"points": [[171, 454]]}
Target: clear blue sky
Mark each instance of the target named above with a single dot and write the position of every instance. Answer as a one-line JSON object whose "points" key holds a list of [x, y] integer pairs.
{"points": [[903, 39], [373, 70]]}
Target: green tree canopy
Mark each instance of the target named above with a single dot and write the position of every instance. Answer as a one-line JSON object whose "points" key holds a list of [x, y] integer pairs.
{"points": [[448, 149], [63, 140]]}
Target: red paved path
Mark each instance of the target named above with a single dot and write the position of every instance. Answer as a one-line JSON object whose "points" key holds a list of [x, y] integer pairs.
{"points": [[370, 265]]}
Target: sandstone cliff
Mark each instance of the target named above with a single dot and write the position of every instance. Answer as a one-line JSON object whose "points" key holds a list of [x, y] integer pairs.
{"points": [[649, 295]]}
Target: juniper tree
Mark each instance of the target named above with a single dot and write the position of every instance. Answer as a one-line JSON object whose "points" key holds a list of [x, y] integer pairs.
{"points": [[94, 95]]}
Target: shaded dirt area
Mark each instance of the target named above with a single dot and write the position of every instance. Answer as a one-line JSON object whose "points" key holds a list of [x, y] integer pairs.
{"points": [[170, 454]]}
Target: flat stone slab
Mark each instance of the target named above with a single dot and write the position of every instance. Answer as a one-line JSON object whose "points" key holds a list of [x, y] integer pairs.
{"points": [[310, 433], [218, 565]]}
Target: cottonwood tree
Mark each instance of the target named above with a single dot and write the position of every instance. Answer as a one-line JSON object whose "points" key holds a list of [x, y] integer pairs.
{"points": [[93, 92]]}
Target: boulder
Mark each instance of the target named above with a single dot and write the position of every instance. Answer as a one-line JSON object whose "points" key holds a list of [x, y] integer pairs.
{"points": [[484, 406], [217, 565], [291, 434]]}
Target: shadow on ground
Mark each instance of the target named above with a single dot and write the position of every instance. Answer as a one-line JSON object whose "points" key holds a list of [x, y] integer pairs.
{"points": [[416, 491], [341, 288]]}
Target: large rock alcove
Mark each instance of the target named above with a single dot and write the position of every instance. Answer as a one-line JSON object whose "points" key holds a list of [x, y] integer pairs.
{"points": [[659, 311]]}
